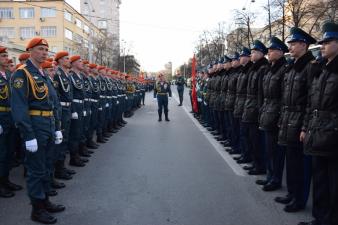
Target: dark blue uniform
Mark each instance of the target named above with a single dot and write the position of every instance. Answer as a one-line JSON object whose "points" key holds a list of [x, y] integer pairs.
{"points": [[64, 90], [32, 111], [77, 106], [7, 125], [180, 82], [161, 91]]}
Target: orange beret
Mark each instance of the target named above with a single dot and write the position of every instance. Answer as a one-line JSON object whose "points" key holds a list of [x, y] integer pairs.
{"points": [[92, 65], [24, 56], [59, 55], [3, 50], [17, 66], [50, 59], [46, 65], [100, 68], [35, 42], [85, 61], [74, 58]]}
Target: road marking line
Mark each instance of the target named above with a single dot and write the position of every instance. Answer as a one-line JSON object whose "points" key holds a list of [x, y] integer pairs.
{"points": [[238, 170]]}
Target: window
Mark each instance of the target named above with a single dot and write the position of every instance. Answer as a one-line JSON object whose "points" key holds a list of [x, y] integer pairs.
{"points": [[86, 28], [26, 13], [102, 24], [48, 31], [85, 43], [54, 49], [48, 12], [69, 50], [68, 34], [77, 38], [27, 32], [8, 32], [68, 16], [6, 13], [78, 23]]}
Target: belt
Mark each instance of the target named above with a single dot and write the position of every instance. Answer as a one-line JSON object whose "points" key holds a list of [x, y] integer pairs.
{"points": [[65, 104], [109, 97], [114, 96], [102, 96], [40, 113], [324, 114], [77, 101], [297, 108], [5, 109], [162, 93], [93, 100], [87, 99]]}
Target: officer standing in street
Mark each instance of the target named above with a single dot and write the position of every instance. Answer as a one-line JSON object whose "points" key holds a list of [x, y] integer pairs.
{"points": [[320, 135], [64, 90], [6, 129], [297, 85], [270, 112], [77, 109], [241, 90], [32, 111], [161, 91], [180, 82], [252, 105]]}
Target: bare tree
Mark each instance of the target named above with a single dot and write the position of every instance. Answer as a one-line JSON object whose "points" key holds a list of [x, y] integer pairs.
{"points": [[245, 19]]}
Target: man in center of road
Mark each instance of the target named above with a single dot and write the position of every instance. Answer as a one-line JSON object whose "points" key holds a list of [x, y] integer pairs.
{"points": [[161, 91], [180, 82]]}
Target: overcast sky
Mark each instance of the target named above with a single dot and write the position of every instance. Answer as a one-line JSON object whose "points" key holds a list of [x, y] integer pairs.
{"points": [[159, 31]]}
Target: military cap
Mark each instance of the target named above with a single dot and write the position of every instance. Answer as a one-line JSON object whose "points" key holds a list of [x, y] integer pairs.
{"points": [[92, 66], [50, 59], [46, 65], [235, 56], [100, 68], [298, 35], [3, 50], [74, 58], [85, 61], [245, 52], [209, 66], [61, 54], [35, 42], [330, 32], [276, 43], [259, 46], [227, 59], [24, 56], [221, 60]]}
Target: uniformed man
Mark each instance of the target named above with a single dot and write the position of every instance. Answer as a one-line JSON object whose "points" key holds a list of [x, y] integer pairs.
{"points": [[32, 111], [161, 91], [180, 82], [233, 126], [7, 188], [270, 112], [321, 133], [241, 93], [49, 70], [252, 105], [64, 90], [77, 110], [297, 84]]}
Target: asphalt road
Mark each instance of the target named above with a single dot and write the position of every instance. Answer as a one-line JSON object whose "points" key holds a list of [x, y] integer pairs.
{"points": [[159, 173]]}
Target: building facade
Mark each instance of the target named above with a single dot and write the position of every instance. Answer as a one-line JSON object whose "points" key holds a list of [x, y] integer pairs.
{"points": [[105, 14], [60, 24]]}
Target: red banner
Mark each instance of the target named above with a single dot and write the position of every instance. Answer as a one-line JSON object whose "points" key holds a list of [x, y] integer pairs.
{"points": [[193, 85]]}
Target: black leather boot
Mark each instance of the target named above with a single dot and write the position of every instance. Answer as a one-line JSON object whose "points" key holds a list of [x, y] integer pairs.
{"points": [[40, 214], [159, 117], [166, 117], [5, 192], [53, 208]]}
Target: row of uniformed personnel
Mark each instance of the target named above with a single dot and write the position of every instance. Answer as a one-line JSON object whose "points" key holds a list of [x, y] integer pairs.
{"points": [[58, 105], [271, 110]]}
